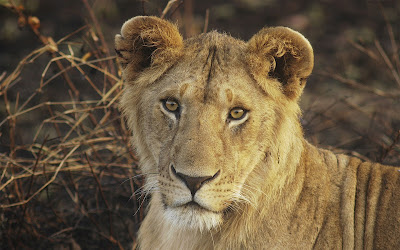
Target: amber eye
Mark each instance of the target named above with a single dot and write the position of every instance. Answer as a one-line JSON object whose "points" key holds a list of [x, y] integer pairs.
{"points": [[171, 105], [237, 113]]}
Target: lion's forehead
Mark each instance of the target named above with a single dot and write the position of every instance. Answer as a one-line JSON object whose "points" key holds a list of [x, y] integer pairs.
{"points": [[208, 82], [213, 68]]}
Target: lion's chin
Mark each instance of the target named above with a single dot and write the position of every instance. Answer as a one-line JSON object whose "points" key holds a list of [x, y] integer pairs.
{"points": [[192, 217]]}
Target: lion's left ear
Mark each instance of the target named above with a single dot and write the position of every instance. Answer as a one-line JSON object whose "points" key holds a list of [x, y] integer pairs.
{"points": [[284, 54]]}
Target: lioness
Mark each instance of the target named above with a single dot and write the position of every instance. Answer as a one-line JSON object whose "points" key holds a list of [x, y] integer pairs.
{"points": [[215, 123]]}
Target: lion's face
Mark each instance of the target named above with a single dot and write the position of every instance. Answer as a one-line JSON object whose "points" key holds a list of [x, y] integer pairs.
{"points": [[205, 113], [203, 132]]}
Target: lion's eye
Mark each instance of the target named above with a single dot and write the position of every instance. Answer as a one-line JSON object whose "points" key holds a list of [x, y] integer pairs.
{"points": [[171, 105], [237, 113]]}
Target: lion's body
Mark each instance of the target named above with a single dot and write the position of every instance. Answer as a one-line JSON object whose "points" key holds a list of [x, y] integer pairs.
{"points": [[251, 181]]}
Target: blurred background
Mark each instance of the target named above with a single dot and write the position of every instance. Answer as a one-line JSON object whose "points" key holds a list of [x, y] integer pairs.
{"points": [[68, 178]]}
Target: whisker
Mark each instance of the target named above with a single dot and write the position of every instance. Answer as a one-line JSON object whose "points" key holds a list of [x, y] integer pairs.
{"points": [[239, 196], [137, 176], [141, 203]]}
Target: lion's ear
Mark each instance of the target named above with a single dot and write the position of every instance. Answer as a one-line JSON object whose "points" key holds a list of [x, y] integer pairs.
{"points": [[284, 54], [147, 41]]}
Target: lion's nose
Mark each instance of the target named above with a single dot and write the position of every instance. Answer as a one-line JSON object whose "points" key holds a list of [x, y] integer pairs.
{"points": [[194, 183]]}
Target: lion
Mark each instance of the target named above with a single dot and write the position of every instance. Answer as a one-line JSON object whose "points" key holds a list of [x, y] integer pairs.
{"points": [[215, 124]]}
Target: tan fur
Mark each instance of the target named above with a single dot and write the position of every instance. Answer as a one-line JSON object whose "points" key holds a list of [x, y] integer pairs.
{"points": [[270, 189]]}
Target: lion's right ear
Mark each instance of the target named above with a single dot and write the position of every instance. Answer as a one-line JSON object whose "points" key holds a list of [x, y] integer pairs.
{"points": [[283, 54], [147, 41]]}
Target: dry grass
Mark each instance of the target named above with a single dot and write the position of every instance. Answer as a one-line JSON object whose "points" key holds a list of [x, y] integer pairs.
{"points": [[68, 177]]}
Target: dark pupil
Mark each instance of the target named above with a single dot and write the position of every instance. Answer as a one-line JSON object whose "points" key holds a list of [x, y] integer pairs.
{"points": [[172, 105]]}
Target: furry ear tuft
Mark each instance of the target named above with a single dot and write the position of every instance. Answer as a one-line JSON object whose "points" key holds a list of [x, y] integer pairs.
{"points": [[147, 41], [284, 54]]}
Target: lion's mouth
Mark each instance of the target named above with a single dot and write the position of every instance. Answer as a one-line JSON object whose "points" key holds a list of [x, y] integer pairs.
{"points": [[191, 206]]}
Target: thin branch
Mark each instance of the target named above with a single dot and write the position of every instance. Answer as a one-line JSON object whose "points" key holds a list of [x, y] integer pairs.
{"points": [[388, 62], [206, 20], [168, 7]]}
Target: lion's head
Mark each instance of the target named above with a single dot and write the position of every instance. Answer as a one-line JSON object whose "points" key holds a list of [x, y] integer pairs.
{"points": [[207, 114]]}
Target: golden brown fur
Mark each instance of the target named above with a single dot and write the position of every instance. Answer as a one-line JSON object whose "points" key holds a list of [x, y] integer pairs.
{"points": [[263, 186]]}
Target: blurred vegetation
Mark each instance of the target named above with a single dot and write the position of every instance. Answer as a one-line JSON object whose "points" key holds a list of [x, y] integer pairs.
{"points": [[68, 176]]}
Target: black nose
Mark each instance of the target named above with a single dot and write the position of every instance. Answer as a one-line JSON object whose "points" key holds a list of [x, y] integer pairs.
{"points": [[193, 183]]}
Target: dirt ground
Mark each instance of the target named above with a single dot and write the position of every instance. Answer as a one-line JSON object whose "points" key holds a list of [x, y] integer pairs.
{"points": [[68, 178]]}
